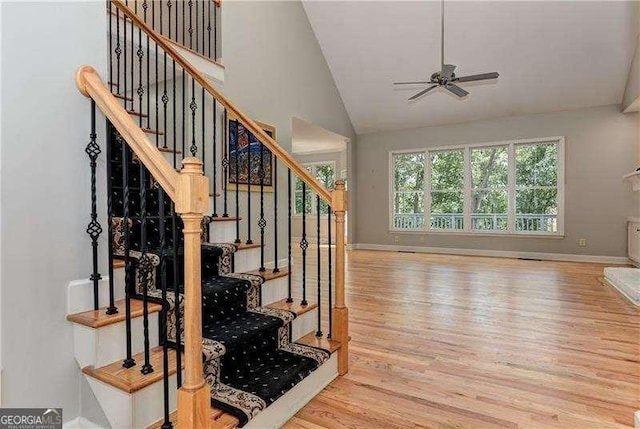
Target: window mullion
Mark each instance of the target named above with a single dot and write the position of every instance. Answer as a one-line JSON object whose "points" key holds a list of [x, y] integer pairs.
{"points": [[466, 198], [511, 190], [427, 191]]}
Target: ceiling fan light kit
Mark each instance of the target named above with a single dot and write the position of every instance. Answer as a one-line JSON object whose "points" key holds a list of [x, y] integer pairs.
{"points": [[446, 77]]}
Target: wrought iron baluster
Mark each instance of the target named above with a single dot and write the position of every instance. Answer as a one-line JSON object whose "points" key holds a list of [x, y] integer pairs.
{"points": [[225, 163], [112, 309], [140, 91], [204, 157], [289, 286], [118, 50], [110, 46], [153, 24], [209, 28], [249, 240], [93, 228], [318, 265], [193, 106], [304, 244], [129, 275], [163, 287], [214, 160], [176, 292], [145, 267], [190, 24], [262, 223], [237, 241], [132, 60], [215, 33], [330, 269], [274, 163]]}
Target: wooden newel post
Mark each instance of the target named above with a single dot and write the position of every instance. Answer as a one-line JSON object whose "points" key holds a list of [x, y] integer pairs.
{"points": [[192, 200], [340, 311]]}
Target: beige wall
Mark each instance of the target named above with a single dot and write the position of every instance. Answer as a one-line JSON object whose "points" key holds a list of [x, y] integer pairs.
{"points": [[602, 145]]}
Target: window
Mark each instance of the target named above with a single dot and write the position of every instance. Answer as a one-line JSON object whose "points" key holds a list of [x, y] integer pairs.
{"points": [[408, 190], [325, 173], [503, 188]]}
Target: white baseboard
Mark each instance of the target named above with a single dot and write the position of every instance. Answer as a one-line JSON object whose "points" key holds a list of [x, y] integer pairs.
{"points": [[80, 423], [637, 419], [496, 253]]}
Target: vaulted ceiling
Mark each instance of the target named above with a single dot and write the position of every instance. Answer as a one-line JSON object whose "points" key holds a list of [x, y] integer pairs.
{"points": [[550, 55]]}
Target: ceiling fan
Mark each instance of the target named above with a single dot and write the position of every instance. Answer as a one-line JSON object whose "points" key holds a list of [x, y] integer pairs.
{"points": [[446, 77]]}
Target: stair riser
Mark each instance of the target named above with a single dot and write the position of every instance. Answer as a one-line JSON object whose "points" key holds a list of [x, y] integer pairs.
{"points": [[291, 402], [80, 292], [303, 324], [247, 260], [274, 290], [222, 231], [136, 410], [102, 346]]}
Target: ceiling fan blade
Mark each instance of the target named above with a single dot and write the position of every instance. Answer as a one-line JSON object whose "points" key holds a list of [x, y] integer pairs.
{"points": [[423, 92], [447, 70], [456, 90], [483, 76], [410, 83]]}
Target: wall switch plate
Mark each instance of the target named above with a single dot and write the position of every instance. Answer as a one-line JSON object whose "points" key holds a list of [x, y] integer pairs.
{"points": [[421, 239], [396, 239], [582, 242]]}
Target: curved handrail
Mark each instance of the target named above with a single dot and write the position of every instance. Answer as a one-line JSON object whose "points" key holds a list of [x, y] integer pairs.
{"points": [[91, 85], [254, 128]]}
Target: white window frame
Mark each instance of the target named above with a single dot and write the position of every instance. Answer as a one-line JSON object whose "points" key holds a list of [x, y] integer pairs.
{"points": [[511, 189], [313, 166]]}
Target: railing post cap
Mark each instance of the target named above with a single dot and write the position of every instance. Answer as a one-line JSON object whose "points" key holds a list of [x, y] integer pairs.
{"points": [[81, 79], [191, 165]]}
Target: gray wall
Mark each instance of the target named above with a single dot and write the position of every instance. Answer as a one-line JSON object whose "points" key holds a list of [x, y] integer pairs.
{"points": [[602, 145], [632, 88], [275, 70], [44, 194]]}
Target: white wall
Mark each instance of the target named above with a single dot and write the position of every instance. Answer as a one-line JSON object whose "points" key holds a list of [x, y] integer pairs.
{"points": [[44, 193], [602, 145]]}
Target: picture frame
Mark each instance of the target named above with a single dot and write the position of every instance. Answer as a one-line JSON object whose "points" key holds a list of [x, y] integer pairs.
{"points": [[244, 143]]}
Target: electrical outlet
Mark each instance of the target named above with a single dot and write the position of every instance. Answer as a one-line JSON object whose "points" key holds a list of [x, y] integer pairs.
{"points": [[421, 239], [396, 239], [582, 242]]}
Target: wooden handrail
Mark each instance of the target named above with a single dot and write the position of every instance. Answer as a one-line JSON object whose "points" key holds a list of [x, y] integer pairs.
{"points": [[91, 85], [254, 128]]}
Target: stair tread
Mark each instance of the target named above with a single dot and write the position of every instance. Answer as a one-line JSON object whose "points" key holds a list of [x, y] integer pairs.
{"points": [[131, 380], [224, 219], [224, 420], [150, 131], [269, 274], [321, 343], [98, 318], [245, 246], [118, 263], [122, 97], [214, 194], [134, 113], [294, 307], [168, 149]]}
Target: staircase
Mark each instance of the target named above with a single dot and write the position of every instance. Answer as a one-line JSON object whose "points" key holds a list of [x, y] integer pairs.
{"points": [[199, 323]]}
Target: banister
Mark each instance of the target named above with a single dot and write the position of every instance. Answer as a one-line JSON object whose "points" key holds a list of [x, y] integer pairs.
{"points": [[251, 125], [91, 85]]}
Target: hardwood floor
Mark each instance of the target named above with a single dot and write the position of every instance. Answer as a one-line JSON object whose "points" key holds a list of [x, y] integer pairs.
{"points": [[443, 341]]}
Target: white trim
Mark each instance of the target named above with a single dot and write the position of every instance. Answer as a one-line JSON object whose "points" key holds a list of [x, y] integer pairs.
{"points": [[568, 257], [468, 186], [80, 423], [460, 232]]}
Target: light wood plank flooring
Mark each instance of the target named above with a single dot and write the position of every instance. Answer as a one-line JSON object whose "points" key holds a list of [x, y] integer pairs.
{"points": [[468, 342]]}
